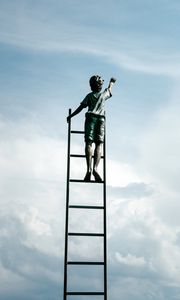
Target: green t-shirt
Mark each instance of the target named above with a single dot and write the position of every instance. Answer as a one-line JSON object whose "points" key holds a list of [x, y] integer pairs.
{"points": [[96, 102]]}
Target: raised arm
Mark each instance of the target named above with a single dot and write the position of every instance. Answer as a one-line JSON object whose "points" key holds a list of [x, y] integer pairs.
{"points": [[77, 111], [111, 82]]}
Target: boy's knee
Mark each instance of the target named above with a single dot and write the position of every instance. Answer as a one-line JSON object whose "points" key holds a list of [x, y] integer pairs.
{"points": [[88, 143], [98, 144]]}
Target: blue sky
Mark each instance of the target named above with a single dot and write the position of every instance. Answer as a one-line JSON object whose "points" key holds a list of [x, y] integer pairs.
{"points": [[49, 50]]}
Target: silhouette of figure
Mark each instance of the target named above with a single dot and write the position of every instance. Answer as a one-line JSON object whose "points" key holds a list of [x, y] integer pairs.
{"points": [[94, 123]]}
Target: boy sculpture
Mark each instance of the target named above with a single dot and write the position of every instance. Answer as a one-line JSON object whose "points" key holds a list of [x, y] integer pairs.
{"points": [[94, 123]]}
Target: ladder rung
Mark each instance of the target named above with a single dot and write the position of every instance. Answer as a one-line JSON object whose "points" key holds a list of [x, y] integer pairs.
{"points": [[85, 263], [82, 155], [80, 180], [77, 155], [85, 293], [77, 131], [86, 206], [85, 234]]}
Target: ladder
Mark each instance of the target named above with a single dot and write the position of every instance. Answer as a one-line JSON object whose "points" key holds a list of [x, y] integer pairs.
{"points": [[90, 208]]}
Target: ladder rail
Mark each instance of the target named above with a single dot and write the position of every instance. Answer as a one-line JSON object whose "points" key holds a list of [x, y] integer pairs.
{"points": [[105, 224], [67, 210]]}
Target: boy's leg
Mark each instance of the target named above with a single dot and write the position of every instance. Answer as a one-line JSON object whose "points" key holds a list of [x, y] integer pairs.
{"points": [[99, 136], [97, 157], [89, 137], [89, 154]]}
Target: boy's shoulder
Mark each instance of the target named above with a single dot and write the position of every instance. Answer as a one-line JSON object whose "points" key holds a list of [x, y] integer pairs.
{"points": [[92, 95]]}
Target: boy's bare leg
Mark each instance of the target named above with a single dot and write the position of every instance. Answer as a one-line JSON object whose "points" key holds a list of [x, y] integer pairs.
{"points": [[97, 157], [88, 153]]}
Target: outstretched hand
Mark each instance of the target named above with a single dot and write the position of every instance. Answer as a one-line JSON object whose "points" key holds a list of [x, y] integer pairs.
{"points": [[113, 80]]}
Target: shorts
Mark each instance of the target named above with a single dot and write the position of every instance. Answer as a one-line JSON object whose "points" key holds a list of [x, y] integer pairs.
{"points": [[94, 128]]}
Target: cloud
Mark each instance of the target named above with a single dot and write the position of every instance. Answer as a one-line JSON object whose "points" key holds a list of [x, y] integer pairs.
{"points": [[23, 261], [136, 228], [143, 195], [160, 145], [121, 174], [130, 260], [32, 201], [143, 255], [132, 190], [141, 247], [143, 235], [138, 289], [27, 152], [37, 29]]}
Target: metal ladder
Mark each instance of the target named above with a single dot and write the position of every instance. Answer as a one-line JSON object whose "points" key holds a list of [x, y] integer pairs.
{"points": [[103, 235]]}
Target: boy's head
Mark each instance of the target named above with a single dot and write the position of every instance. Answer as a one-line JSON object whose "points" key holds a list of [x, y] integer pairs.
{"points": [[96, 83]]}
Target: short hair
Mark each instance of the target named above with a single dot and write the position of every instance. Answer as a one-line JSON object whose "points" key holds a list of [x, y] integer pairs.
{"points": [[96, 83]]}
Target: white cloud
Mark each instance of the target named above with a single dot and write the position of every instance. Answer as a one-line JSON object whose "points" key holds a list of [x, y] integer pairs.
{"points": [[33, 211], [35, 224], [160, 146], [32, 172], [136, 228], [143, 197], [27, 152], [120, 174], [130, 260]]}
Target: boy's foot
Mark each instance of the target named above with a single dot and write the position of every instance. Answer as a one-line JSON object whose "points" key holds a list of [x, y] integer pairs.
{"points": [[87, 176], [97, 176]]}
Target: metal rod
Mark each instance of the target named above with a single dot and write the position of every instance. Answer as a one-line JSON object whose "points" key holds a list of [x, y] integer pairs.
{"points": [[85, 234], [105, 228], [86, 206], [67, 210], [82, 155], [85, 293], [77, 131], [83, 181], [85, 263]]}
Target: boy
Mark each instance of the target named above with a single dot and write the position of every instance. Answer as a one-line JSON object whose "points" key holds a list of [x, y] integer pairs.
{"points": [[94, 123]]}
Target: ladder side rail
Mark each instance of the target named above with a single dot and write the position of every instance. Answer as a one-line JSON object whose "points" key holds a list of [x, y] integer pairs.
{"points": [[67, 208], [105, 222]]}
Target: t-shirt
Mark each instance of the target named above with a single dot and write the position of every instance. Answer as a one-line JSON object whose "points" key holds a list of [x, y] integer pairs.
{"points": [[96, 102]]}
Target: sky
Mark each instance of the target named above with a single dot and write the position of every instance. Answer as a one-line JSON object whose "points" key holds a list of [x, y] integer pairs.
{"points": [[48, 51]]}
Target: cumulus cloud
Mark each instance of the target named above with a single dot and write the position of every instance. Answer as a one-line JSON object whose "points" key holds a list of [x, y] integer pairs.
{"points": [[143, 196], [130, 260], [132, 190], [136, 228], [160, 146], [144, 229], [140, 244], [32, 199]]}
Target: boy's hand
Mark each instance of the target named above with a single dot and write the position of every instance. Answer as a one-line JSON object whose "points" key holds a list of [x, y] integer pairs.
{"points": [[113, 80], [68, 119]]}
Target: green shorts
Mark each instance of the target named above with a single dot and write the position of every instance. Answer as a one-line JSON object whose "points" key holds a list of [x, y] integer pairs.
{"points": [[94, 128]]}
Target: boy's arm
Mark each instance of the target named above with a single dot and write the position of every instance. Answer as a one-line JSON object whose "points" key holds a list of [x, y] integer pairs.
{"points": [[77, 110], [111, 82]]}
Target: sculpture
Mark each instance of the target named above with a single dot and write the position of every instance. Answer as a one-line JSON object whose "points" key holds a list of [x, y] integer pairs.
{"points": [[94, 123]]}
